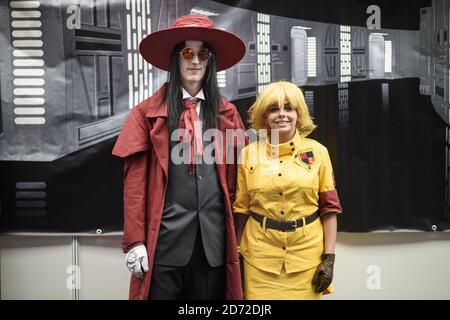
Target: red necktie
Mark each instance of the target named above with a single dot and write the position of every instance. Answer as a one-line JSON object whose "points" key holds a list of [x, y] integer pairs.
{"points": [[191, 122]]}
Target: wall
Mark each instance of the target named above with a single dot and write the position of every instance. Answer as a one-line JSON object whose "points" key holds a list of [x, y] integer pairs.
{"points": [[396, 265], [412, 265]]}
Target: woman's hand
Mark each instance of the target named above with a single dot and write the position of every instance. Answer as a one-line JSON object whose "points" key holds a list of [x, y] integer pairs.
{"points": [[324, 273]]}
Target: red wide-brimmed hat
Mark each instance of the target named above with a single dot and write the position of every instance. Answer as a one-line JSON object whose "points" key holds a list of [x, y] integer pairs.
{"points": [[227, 47]]}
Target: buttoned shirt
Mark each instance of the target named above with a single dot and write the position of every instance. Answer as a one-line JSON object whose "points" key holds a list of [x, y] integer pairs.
{"points": [[286, 182]]}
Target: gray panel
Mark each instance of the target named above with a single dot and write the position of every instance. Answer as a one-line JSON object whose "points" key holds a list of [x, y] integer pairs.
{"points": [[115, 8], [103, 75], [368, 253], [35, 268], [1, 110], [36, 133], [103, 108], [309, 99], [331, 64], [102, 267], [31, 185], [359, 66], [100, 81], [331, 37], [439, 77], [331, 53], [100, 129], [247, 78], [84, 87], [103, 92], [298, 56], [281, 43], [426, 26], [278, 71], [376, 56], [359, 38], [243, 23], [426, 34], [87, 12], [405, 65], [359, 53], [439, 80], [119, 86], [101, 13]]}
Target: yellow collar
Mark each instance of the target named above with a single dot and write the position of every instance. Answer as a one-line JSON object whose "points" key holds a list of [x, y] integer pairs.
{"points": [[287, 148]]}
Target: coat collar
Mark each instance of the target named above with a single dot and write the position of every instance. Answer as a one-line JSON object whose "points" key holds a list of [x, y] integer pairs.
{"points": [[157, 107], [186, 95], [290, 147]]}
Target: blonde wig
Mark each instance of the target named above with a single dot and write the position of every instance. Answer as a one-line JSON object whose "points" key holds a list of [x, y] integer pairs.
{"points": [[277, 93]]}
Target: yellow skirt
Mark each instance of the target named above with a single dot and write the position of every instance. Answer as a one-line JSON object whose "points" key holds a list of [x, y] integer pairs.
{"points": [[262, 285]]}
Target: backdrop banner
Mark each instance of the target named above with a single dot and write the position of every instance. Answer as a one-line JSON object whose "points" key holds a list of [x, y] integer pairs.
{"points": [[375, 75]]}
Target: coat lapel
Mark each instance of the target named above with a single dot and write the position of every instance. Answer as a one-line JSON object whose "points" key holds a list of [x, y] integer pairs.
{"points": [[225, 122], [159, 134]]}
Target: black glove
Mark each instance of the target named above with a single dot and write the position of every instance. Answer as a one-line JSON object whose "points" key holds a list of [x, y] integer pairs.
{"points": [[324, 273]]}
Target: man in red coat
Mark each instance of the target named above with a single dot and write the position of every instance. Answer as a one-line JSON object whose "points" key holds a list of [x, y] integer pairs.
{"points": [[179, 231]]}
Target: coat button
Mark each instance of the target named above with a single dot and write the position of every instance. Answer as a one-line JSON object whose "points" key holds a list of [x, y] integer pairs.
{"points": [[279, 174], [281, 193], [200, 177]]}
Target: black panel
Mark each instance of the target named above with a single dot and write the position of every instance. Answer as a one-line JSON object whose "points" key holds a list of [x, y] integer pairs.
{"points": [[399, 14], [389, 160], [79, 193], [1, 112], [395, 160], [440, 91], [246, 90], [97, 34], [98, 46]]}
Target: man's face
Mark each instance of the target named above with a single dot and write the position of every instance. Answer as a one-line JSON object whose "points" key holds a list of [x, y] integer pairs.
{"points": [[193, 70]]}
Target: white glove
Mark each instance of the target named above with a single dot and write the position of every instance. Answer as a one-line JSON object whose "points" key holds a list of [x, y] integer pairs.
{"points": [[137, 261]]}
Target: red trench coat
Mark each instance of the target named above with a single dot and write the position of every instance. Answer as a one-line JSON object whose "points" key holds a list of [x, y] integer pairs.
{"points": [[145, 184]]}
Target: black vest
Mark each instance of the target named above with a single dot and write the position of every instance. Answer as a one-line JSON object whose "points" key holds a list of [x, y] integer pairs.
{"points": [[192, 202]]}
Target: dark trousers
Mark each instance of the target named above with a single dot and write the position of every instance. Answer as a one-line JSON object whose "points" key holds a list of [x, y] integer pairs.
{"points": [[195, 281]]}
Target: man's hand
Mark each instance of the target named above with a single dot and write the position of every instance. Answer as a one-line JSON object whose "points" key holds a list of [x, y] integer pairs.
{"points": [[324, 273], [137, 261]]}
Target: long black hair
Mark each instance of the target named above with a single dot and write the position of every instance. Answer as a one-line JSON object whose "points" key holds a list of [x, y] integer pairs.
{"points": [[174, 96]]}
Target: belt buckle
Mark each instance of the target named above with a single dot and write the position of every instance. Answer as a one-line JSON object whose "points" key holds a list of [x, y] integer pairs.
{"points": [[293, 226]]}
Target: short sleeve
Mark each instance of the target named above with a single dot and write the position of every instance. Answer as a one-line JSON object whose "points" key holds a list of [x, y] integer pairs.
{"points": [[328, 197]]}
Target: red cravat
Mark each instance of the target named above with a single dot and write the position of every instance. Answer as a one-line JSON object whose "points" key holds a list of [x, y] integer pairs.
{"points": [[191, 122]]}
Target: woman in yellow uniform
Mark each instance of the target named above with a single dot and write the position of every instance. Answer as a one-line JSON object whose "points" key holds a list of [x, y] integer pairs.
{"points": [[286, 190]]}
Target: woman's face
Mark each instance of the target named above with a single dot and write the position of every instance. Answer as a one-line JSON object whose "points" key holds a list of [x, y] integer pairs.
{"points": [[282, 119]]}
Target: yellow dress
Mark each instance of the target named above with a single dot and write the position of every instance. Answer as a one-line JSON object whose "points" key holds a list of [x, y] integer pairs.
{"points": [[288, 181]]}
